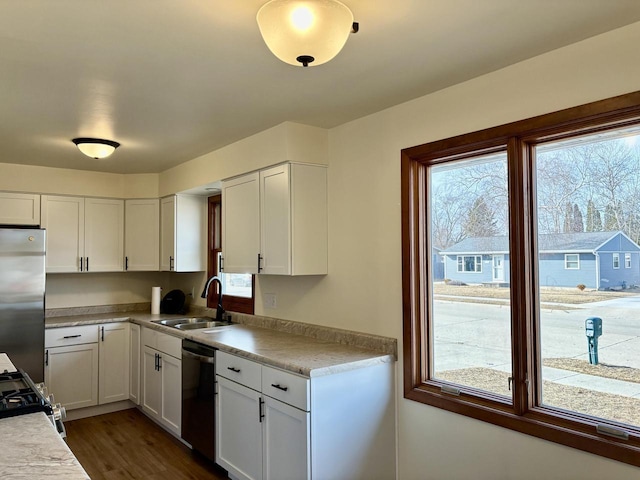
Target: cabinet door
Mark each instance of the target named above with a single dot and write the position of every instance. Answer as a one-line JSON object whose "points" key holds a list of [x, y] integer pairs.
{"points": [[171, 405], [19, 209], [104, 235], [241, 224], [191, 233], [63, 218], [167, 233], [142, 235], [286, 442], [151, 383], [114, 362], [71, 375], [134, 363], [238, 430], [275, 223]]}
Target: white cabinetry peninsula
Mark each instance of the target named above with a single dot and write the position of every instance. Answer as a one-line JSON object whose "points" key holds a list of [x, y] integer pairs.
{"points": [[87, 365], [162, 379], [142, 235], [275, 221], [83, 234], [19, 209], [272, 424], [183, 233]]}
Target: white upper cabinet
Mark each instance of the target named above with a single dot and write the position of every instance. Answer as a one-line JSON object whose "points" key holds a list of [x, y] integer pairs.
{"points": [[183, 233], [241, 223], [104, 235], [83, 235], [275, 221], [142, 235], [19, 209]]}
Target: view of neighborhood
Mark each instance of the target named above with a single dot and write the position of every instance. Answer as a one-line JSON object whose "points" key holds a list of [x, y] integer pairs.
{"points": [[587, 213]]}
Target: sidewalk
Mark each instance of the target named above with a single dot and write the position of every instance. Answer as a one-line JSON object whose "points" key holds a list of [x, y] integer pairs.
{"points": [[591, 382], [588, 382]]}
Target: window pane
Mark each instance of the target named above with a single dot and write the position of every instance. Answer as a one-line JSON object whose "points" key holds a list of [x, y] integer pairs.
{"points": [[235, 284], [588, 199], [469, 274]]}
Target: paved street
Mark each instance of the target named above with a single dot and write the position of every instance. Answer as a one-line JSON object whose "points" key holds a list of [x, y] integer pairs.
{"points": [[478, 335]]}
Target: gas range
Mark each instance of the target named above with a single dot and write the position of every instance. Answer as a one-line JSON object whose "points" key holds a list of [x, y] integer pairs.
{"points": [[19, 395]]}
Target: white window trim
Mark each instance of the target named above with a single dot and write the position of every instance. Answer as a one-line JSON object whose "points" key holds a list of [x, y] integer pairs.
{"points": [[627, 260], [566, 267], [616, 260], [477, 263]]}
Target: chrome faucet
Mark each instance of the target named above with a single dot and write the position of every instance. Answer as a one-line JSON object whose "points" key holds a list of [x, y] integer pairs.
{"points": [[205, 293]]}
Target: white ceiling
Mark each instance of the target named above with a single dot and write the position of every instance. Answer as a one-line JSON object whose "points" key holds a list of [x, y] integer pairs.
{"points": [[174, 79]]}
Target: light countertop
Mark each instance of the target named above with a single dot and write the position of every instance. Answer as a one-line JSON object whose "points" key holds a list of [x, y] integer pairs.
{"points": [[297, 353], [32, 448]]}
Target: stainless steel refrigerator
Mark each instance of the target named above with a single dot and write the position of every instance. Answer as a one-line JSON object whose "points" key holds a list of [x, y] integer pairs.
{"points": [[22, 281]]}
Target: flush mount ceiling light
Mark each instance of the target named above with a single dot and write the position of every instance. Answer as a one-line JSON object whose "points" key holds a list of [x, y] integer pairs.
{"points": [[96, 147], [305, 32]]}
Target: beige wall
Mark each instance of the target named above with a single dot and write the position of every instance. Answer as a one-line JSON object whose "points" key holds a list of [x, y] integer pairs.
{"points": [[285, 142], [62, 181]]}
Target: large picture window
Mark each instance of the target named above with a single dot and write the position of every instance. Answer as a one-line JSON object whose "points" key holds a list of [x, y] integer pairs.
{"points": [[524, 194]]}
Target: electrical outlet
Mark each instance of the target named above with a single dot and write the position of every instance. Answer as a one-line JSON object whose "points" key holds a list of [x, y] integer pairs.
{"points": [[270, 300]]}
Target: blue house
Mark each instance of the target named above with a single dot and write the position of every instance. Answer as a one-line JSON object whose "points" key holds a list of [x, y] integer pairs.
{"points": [[437, 263], [600, 260]]}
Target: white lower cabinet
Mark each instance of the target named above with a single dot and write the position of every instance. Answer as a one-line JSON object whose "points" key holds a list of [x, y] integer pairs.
{"points": [[285, 441], [113, 363], [162, 379], [87, 365], [238, 430], [260, 437], [276, 425], [71, 375]]}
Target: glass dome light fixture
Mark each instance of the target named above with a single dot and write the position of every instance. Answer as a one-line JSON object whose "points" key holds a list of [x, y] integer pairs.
{"points": [[96, 147], [305, 32]]}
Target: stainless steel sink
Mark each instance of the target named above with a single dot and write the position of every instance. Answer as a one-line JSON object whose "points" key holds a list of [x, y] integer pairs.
{"points": [[197, 325], [191, 323]]}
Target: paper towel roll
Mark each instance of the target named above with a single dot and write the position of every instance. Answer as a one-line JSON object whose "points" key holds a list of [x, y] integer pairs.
{"points": [[156, 294]]}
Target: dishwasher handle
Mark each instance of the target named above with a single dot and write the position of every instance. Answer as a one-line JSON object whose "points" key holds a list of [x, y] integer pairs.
{"points": [[200, 358]]}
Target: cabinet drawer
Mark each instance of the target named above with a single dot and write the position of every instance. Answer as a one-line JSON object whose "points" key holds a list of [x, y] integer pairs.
{"points": [[240, 370], [286, 387], [60, 337], [161, 341]]}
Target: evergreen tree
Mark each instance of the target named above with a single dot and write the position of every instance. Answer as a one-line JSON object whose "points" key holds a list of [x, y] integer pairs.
{"points": [[480, 220], [577, 225], [610, 220], [568, 218], [590, 216], [597, 221]]}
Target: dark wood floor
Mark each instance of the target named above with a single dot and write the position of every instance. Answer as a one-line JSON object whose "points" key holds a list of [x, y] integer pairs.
{"points": [[127, 445]]}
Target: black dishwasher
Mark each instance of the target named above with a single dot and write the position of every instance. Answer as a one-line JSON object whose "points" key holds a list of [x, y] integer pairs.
{"points": [[198, 397]]}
